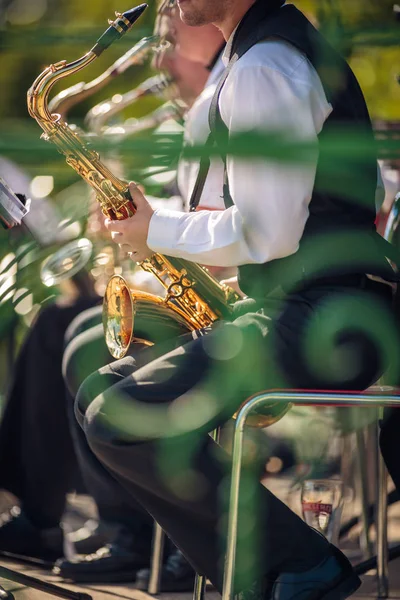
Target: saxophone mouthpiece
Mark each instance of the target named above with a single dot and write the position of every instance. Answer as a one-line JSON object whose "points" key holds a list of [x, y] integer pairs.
{"points": [[134, 13], [122, 23]]}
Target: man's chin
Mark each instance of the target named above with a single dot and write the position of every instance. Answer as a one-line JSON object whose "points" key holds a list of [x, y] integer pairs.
{"points": [[192, 20], [188, 16]]}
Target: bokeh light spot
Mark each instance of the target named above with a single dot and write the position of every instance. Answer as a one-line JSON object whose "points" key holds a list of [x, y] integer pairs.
{"points": [[42, 186], [23, 306], [25, 12]]}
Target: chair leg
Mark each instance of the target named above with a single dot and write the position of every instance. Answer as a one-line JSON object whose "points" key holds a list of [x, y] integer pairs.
{"points": [[381, 528], [200, 581], [362, 476], [156, 559], [230, 556]]}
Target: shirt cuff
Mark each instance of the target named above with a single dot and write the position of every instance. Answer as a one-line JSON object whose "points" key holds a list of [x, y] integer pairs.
{"points": [[163, 229]]}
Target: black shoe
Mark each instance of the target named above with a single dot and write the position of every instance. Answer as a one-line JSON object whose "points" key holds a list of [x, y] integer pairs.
{"points": [[177, 575], [87, 539], [18, 535], [118, 561], [332, 579]]}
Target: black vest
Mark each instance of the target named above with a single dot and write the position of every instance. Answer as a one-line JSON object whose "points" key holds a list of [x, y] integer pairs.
{"points": [[339, 236]]}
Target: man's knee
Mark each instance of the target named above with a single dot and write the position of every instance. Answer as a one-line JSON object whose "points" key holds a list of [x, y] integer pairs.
{"points": [[98, 382]]}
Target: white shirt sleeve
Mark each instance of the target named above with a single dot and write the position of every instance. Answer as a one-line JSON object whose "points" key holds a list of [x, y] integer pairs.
{"points": [[270, 199]]}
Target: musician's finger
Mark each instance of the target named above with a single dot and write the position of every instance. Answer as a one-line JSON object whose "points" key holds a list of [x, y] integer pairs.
{"points": [[136, 194], [125, 249], [117, 226], [115, 236]]}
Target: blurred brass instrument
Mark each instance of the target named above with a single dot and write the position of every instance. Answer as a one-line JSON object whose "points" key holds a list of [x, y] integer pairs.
{"points": [[169, 110], [98, 116], [66, 99], [194, 298]]}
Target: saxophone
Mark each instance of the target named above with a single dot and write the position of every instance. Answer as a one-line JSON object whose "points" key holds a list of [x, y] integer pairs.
{"points": [[194, 298]]}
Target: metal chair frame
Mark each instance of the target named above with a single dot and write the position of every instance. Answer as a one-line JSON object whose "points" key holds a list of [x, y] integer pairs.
{"points": [[370, 399], [373, 398]]}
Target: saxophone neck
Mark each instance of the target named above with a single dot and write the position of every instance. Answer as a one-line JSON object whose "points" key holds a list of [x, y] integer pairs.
{"points": [[165, 112], [135, 56], [39, 91], [97, 117]]}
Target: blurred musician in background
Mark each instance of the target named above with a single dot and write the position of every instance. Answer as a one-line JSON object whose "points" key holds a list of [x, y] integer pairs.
{"points": [[37, 460], [35, 466]]}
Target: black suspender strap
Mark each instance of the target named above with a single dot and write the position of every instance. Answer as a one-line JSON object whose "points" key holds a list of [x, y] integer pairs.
{"points": [[212, 139], [201, 175]]}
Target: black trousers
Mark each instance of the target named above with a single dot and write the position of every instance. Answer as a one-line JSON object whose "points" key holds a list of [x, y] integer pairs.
{"points": [[149, 424], [37, 459], [390, 445]]}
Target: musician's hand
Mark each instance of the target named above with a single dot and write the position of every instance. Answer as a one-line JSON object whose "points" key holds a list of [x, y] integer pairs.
{"points": [[232, 282], [131, 234]]}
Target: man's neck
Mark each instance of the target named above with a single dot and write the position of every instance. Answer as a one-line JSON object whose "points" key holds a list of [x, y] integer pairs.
{"points": [[209, 53], [233, 18]]}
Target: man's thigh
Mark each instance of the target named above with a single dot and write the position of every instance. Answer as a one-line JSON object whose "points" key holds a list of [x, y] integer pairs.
{"points": [[193, 387]]}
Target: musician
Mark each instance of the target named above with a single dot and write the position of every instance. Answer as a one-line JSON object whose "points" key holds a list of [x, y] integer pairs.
{"points": [[149, 424], [37, 460], [199, 54]]}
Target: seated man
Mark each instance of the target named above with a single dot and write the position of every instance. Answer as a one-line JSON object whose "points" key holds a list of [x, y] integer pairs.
{"points": [[305, 250], [33, 457], [188, 54]]}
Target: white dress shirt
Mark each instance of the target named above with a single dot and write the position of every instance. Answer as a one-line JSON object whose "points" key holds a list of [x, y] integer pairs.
{"points": [[272, 87]]}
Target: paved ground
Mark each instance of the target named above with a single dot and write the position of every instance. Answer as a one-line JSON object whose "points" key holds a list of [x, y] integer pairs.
{"points": [[128, 592]]}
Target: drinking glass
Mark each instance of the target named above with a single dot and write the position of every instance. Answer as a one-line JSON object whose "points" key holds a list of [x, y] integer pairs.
{"points": [[322, 505]]}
